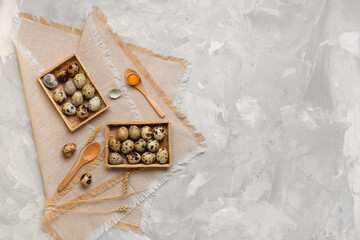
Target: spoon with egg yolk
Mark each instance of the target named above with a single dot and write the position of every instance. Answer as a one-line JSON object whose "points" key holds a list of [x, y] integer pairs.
{"points": [[134, 80]]}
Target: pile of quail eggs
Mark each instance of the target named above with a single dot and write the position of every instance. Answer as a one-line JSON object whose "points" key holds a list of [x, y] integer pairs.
{"points": [[81, 94], [139, 145]]}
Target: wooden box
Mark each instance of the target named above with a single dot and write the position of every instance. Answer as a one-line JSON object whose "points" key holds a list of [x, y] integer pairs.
{"points": [[111, 130], [73, 122]]}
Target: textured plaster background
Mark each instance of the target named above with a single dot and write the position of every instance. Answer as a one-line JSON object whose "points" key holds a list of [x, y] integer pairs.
{"points": [[274, 88]]}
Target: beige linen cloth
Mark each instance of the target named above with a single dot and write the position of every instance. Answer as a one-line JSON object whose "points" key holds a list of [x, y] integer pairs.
{"points": [[40, 45]]}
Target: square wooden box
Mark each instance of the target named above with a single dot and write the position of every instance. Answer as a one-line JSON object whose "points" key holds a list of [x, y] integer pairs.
{"points": [[111, 130], [73, 122]]}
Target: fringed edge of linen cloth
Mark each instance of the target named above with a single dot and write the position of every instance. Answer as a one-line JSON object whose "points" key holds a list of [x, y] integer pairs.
{"points": [[106, 54], [59, 26], [148, 192], [127, 48]]}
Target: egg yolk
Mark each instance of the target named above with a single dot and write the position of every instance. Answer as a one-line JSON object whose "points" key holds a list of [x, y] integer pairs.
{"points": [[132, 79]]}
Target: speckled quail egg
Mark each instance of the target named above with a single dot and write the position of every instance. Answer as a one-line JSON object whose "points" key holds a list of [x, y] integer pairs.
{"points": [[69, 87], [134, 157], [69, 109], [134, 132], [61, 74], [94, 104], [140, 145], [114, 144], [159, 133], [88, 91], [77, 99], [115, 158], [82, 111], [85, 179], [127, 146], [79, 80], [69, 149], [73, 68], [50, 81], [152, 145], [148, 157], [59, 95], [146, 133], [123, 133], [162, 155]]}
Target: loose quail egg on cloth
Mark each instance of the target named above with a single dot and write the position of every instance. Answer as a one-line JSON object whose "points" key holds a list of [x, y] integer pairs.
{"points": [[69, 149], [148, 157], [85, 179]]}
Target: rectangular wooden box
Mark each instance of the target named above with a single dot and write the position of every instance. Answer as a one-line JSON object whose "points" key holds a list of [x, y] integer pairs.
{"points": [[73, 122], [111, 130]]}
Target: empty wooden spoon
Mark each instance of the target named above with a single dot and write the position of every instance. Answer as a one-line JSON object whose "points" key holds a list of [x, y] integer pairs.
{"points": [[89, 154], [134, 80]]}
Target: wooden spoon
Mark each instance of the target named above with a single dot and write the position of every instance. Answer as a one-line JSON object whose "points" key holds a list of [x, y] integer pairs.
{"points": [[139, 86], [89, 154]]}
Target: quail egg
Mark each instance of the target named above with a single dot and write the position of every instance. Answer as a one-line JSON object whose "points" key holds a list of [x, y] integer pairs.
{"points": [[162, 155], [59, 95], [85, 179], [82, 111], [73, 68], [148, 157], [88, 91], [94, 104], [159, 133], [50, 81], [69, 87], [77, 99], [79, 80], [134, 157], [134, 132], [69, 109], [146, 133], [114, 144], [127, 146], [153, 145], [123, 133], [69, 149], [115, 158], [140, 145], [61, 74]]}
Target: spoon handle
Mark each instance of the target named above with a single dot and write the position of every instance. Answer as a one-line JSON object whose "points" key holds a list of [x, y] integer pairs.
{"points": [[70, 176], [156, 107]]}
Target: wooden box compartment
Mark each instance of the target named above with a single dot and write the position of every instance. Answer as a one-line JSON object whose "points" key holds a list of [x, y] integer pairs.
{"points": [[111, 129], [73, 122]]}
